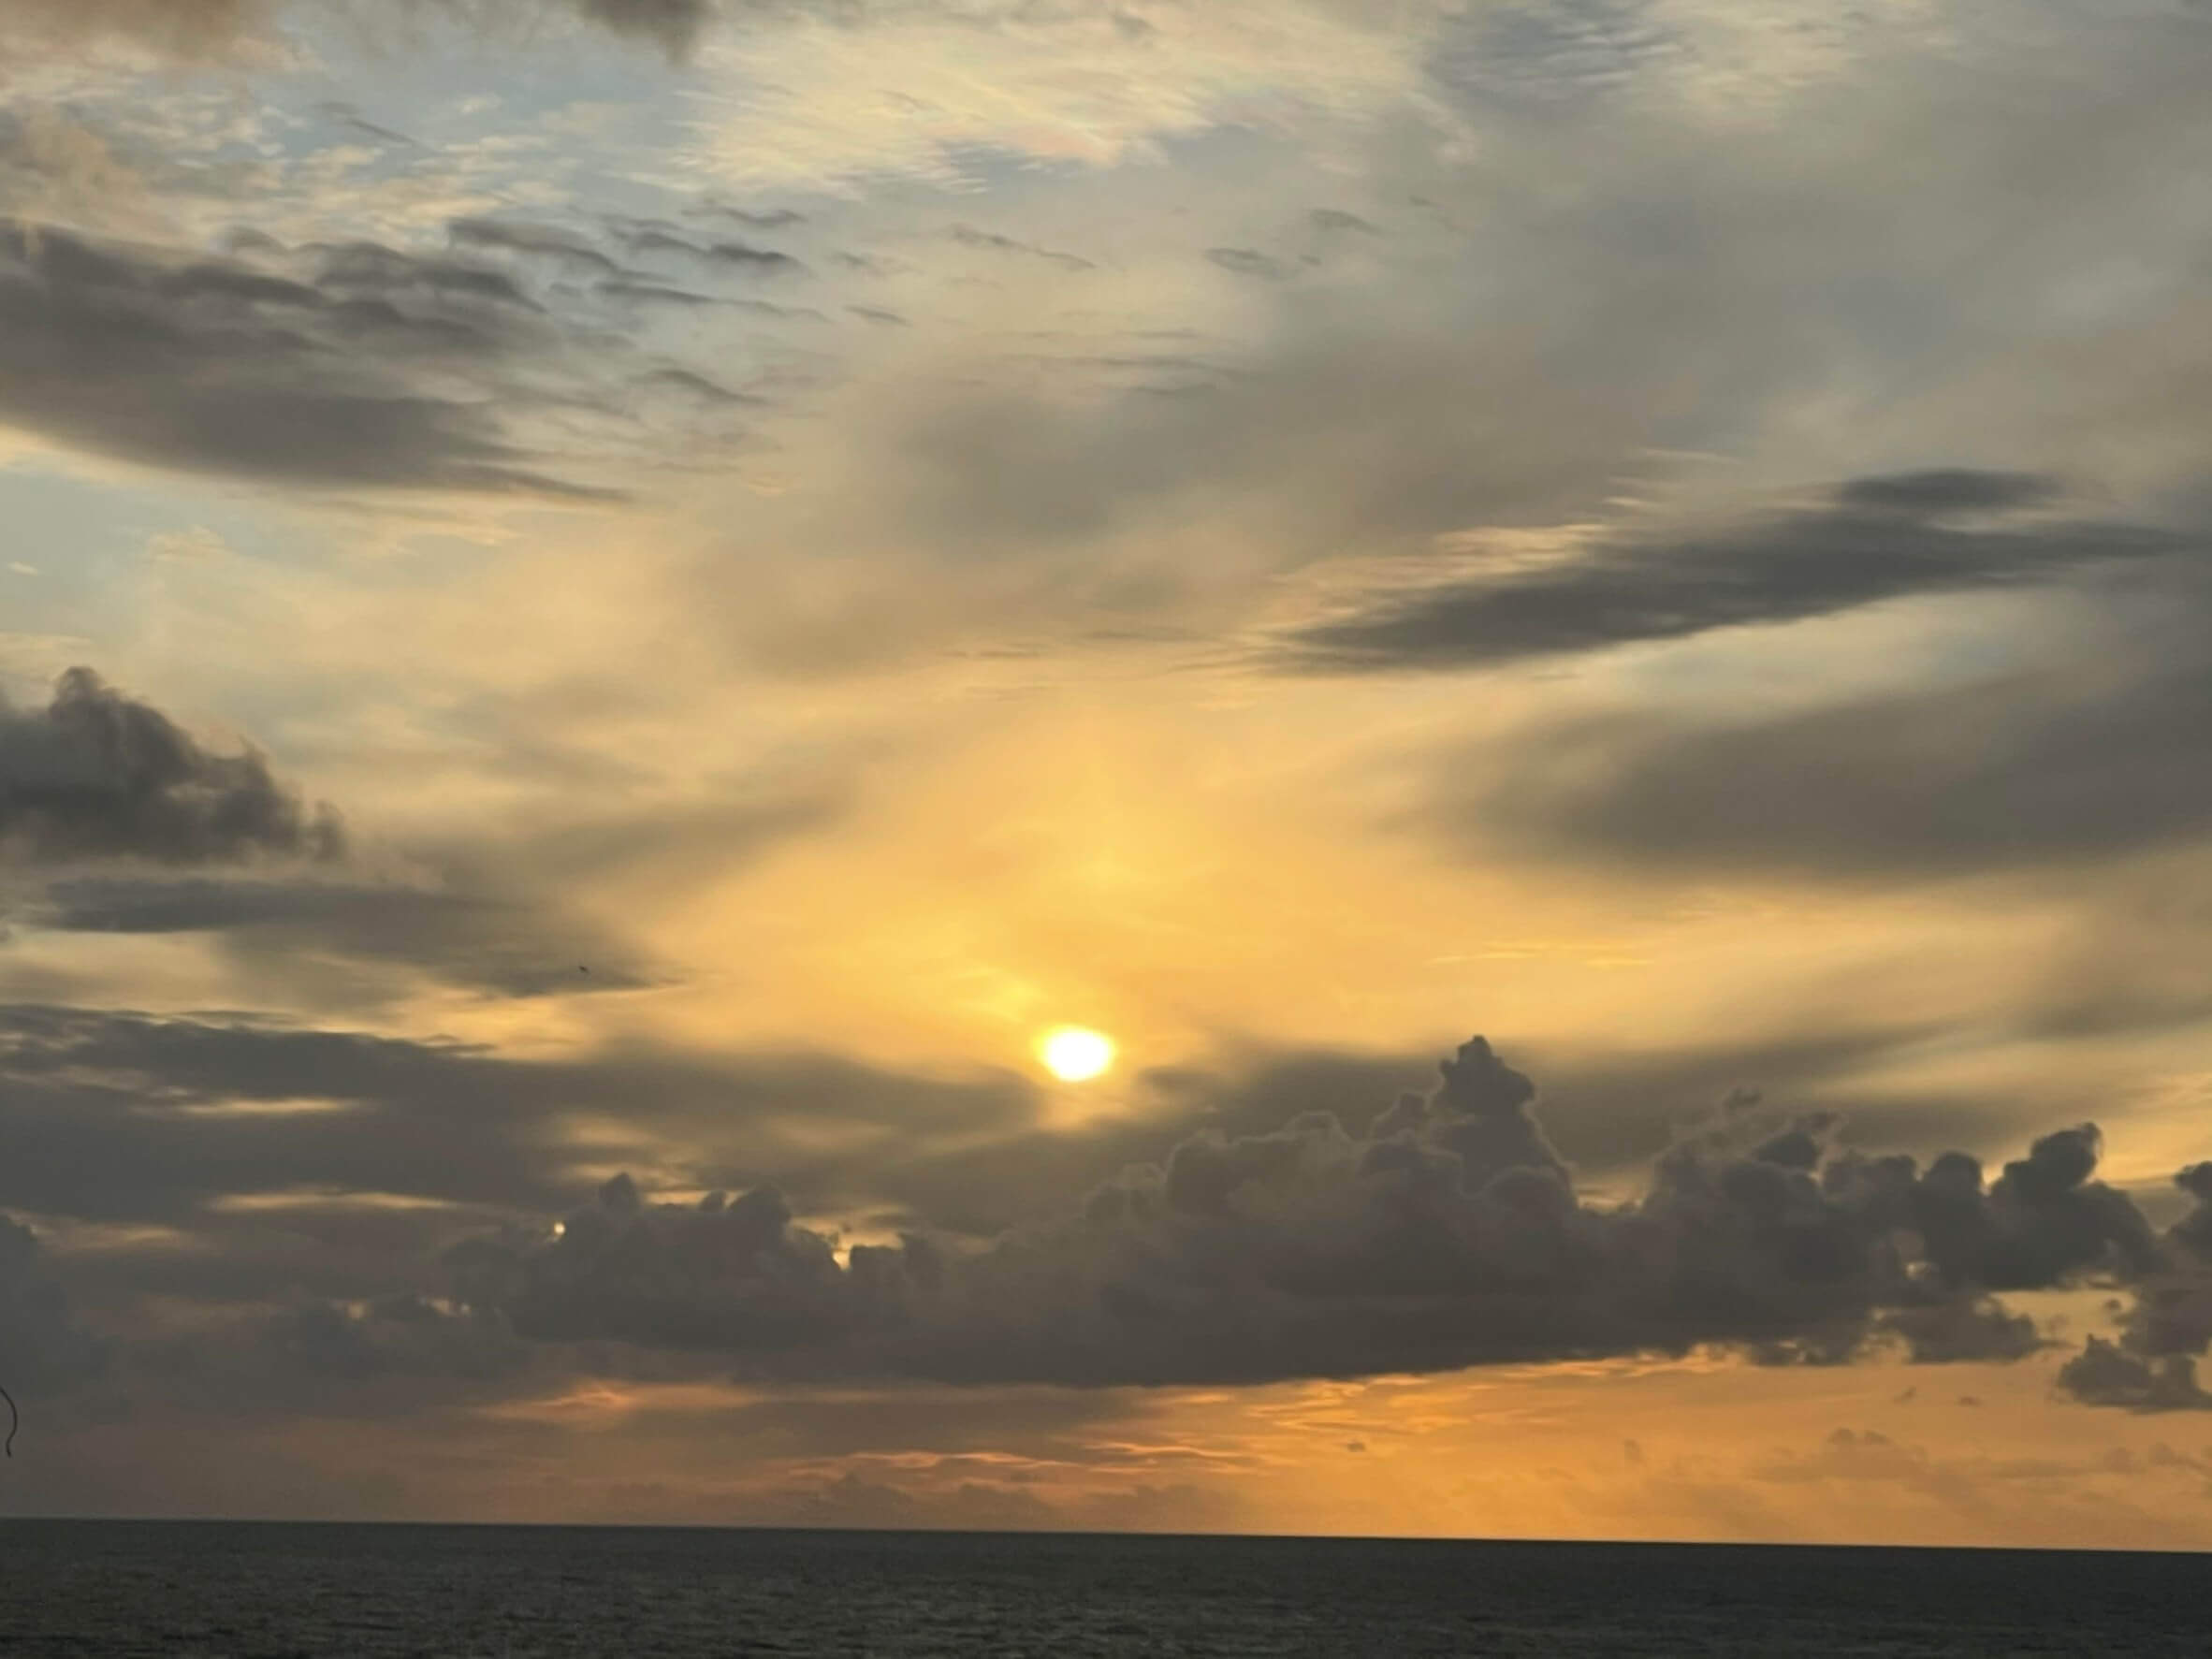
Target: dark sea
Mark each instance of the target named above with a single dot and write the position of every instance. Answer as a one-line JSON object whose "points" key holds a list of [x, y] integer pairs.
{"points": [[117, 1589]]}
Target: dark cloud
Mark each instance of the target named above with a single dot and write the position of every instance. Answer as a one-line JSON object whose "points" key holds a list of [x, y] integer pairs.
{"points": [[2166, 1321], [347, 116], [983, 1190], [546, 241], [2106, 1373], [655, 294], [1248, 262], [968, 236], [1874, 539], [745, 257], [1964, 1330], [97, 775], [43, 1348], [1444, 1231], [218, 365], [121, 1117], [2085, 755], [1607, 1114], [1942, 491], [478, 939], [642, 237], [1447, 1234], [771, 219]]}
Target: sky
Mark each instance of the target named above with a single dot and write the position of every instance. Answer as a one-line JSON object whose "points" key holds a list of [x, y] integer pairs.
{"points": [[1581, 626]]}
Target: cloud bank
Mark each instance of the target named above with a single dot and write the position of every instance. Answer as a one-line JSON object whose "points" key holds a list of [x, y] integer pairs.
{"points": [[1447, 1234]]}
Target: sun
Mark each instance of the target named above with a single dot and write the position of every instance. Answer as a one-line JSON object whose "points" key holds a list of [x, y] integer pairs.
{"points": [[1075, 1054]]}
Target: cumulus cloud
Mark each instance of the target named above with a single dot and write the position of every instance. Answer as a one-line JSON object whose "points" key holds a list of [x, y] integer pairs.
{"points": [[1447, 1234], [97, 774], [1873, 539], [2166, 1321]]}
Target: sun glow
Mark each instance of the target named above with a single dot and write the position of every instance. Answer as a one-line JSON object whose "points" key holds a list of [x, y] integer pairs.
{"points": [[1073, 1054]]}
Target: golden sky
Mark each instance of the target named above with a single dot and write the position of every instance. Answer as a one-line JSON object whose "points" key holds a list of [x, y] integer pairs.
{"points": [[611, 609]]}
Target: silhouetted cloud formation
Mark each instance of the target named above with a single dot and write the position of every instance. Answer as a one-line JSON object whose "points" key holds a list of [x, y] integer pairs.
{"points": [[1446, 1234], [1873, 539], [2165, 1324], [95, 774]]}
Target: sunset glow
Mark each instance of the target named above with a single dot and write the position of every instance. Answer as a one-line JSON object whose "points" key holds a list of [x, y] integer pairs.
{"points": [[1122, 764]]}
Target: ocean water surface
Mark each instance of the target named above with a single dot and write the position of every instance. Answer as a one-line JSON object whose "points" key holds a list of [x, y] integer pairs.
{"points": [[116, 1589]]}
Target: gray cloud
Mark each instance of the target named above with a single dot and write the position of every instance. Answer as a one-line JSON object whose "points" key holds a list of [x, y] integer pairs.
{"points": [[219, 364], [43, 1348], [1444, 1231], [544, 240], [121, 1116], [1608, 1113], [968, 236], [2166, 1321], [646, 236], [2106, 1373], [95, 774], [478, 940], [1446, 1234], [194, 28], [2089, 751], [1875, 539], [1248, 262]]}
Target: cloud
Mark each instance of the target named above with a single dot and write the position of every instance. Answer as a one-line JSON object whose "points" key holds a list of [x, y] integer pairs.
{"points": [[478, 940], [2106, 1373], [2166, 1321], [217, 364], [43, 1349], [1446, 1234], [1248, 262], [203, 28], [1874, 539], [118, 1116], [546, 241], [97, 775], [673, 24], [2083, 752]]}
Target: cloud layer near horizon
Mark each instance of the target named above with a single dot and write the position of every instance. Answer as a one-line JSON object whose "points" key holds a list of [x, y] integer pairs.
{"points": [[1449, 1234]]}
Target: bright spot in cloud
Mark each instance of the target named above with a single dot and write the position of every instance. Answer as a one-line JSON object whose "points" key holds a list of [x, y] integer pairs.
{"points": [[1074, 1054]]}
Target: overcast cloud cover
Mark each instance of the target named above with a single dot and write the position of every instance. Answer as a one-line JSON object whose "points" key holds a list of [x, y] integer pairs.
{"points": [[611, 606]]}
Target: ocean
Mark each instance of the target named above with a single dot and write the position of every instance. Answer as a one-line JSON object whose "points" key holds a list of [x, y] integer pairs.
{"points": [[114, 1590]]}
